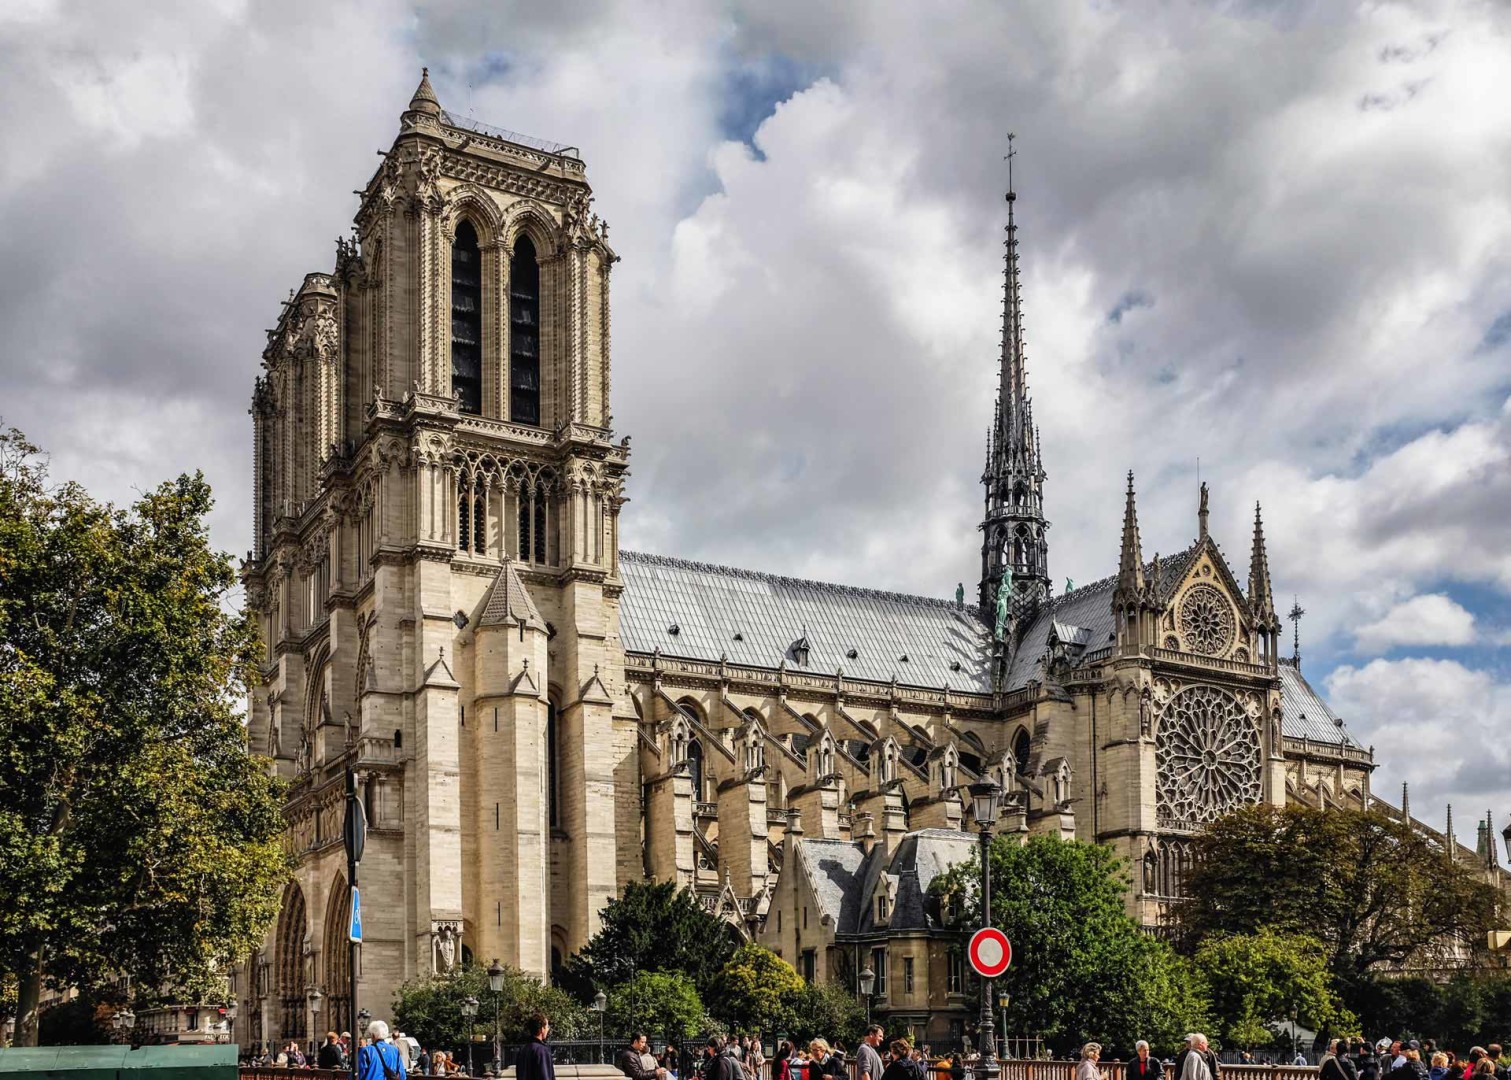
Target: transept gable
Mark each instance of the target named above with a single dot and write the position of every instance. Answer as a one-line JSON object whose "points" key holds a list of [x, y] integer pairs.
{"points": [[1206, 611]]}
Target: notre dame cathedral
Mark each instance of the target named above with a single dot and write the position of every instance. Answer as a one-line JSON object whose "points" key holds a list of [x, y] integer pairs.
{"points": [[536, 717]]}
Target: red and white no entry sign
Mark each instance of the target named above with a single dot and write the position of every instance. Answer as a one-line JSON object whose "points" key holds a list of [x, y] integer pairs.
{"points": [[990, 952]]}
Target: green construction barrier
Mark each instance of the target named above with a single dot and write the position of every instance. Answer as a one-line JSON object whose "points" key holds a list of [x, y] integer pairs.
{"points": [[209, 1062]]}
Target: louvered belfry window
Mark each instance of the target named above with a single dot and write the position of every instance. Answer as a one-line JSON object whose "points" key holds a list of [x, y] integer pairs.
{"points": [[467, 319], [524, 334]]}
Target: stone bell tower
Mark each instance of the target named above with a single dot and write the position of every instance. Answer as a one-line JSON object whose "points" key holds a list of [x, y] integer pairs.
{"points": [[436, 566]]}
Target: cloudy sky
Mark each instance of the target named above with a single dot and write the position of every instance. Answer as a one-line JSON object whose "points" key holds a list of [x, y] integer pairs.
{"points": [[1272, 238]]}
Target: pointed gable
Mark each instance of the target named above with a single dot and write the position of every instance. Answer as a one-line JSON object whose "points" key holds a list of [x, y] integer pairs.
{"points": [[509, 603]]}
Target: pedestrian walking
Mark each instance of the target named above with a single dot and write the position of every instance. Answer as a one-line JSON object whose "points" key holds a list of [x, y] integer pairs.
{"points": [[632, 1061], [1091, 1053], [781, 1065], [330, 1055], [1144, 1066], [533, 1061], [867, 1058], [900, 1067], [380, 1059]]}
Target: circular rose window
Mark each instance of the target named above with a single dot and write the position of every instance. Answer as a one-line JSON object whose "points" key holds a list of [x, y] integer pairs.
{"points": [[1209, 757], [1206, 621]]}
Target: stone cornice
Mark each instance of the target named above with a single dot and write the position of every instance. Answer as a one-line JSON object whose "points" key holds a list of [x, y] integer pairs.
{"points": [[801, 686]]}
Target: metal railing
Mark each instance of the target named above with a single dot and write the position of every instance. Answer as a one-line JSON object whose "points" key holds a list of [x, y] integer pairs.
{"points": [[592, 1052]]}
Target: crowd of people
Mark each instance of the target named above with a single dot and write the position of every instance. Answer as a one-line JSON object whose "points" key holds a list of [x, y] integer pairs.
{"points": [[1394, 1059], [381, 1056]]}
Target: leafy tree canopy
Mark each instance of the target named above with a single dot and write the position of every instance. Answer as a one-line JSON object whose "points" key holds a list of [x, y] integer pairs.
{"points": [[1254, 981], [430, 1008], [1375, 892], [658, 1004], [827, 1011], [755, 990], [138, 836], [654, 926], [1081, 968], [1468, 1009]]}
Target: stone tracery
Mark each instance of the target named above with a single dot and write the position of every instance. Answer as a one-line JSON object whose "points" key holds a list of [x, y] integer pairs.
{"points": [[1209, 757], [1206, 621]]}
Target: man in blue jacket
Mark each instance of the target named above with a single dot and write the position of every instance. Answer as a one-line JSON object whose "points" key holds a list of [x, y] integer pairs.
{"points": [[534, 1062], [380, 1059]]}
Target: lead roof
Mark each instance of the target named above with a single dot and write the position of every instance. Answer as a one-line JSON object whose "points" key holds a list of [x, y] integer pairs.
{"points": [[700, 611]]}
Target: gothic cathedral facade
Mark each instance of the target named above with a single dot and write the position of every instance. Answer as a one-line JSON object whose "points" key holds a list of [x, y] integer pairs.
{"points": [[536, 718]]}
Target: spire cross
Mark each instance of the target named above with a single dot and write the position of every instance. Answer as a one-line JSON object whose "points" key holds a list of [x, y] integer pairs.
{"points": [[1011, 153], [1295, 616]]}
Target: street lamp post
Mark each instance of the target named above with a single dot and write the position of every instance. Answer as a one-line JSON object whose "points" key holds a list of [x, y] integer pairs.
{"points": [[600, 1005], [1003, 1000], [124, 1020], [986, 805], [496, 984], [469, 1014], [867, 985], [315, 997]]}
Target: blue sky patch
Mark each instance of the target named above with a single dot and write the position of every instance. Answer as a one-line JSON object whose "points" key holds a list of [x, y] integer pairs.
{"points": [[1129, 301], [754, 87]]}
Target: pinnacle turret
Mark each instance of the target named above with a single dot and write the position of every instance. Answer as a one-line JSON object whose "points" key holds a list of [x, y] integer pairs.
{"points": [[1131, 582], [1261, 593], [1014, 546], [424, 100]]}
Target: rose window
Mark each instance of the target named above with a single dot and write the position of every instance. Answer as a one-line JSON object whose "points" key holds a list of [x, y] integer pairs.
{"points": [[1206, 621], [1208, 752]]}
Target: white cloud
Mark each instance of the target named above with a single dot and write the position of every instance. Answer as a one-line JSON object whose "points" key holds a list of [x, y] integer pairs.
{"points": [[1431, 619], [1313, 204], [1437, 724]]}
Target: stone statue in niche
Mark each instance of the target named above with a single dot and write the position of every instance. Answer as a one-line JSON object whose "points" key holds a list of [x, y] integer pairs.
{"points": [[1145, 712], [445, 945]]}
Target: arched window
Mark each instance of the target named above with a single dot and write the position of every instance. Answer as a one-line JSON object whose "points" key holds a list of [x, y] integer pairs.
{"points": [[463, 515], [524, 334], [695, 768], [398, 738], [1022, 747], [467, 319], [540, 521], [525, 517], [553, 788], [479, 517]]}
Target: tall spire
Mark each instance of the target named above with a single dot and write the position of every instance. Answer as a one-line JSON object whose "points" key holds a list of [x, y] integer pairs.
{"points": [[1131, 563], [1013, 528], [1406, 801], [1452, 844]]}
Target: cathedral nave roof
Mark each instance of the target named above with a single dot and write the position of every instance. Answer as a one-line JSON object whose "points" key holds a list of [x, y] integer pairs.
{"points": [[703, 612]]}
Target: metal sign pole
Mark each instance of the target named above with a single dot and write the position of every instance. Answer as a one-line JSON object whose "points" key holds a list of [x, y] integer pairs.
{"points": [[354, 835]]}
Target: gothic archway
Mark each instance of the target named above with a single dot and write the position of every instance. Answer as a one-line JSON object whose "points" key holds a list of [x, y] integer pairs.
{"points": [[338, 969], [293, 930]]}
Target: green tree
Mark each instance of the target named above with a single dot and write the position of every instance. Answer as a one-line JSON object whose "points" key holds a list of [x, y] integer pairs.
{"points": [[1081, 968], [829, 1011], [755, 990], [430, 1008], [1374, 891], [654, 926], [1256, 980], [658, 1004], [138, 836]]}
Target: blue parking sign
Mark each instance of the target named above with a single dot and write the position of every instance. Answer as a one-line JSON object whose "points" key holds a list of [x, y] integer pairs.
{"points": [[355, 933]]}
